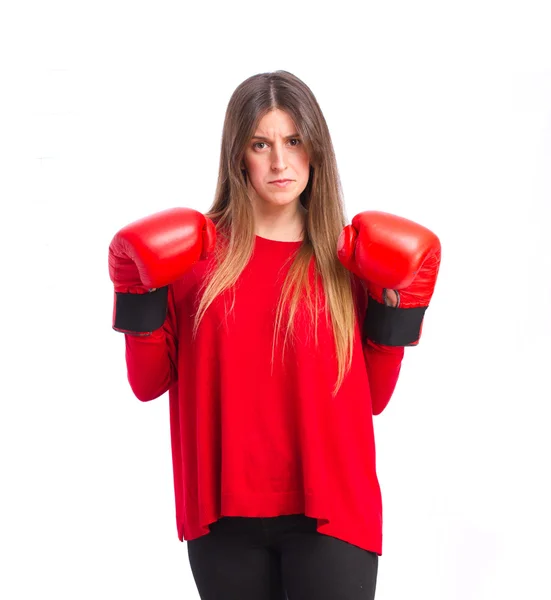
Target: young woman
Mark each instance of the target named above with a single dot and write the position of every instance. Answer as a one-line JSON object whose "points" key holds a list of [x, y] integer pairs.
{"points": [[278, 331]]}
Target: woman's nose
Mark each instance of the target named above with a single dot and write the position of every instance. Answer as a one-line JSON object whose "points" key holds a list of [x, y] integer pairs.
{"points": [[278, 158]]}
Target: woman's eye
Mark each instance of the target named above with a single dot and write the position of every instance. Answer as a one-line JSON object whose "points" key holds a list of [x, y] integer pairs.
{"points": [[294, 142]]}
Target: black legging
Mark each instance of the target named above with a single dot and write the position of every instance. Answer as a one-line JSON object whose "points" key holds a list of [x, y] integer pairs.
{"points": [[262, 558]]}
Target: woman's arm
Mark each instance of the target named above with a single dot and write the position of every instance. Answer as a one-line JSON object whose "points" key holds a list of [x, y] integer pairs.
{"points": [[145, 258], [383, 368], [383, 363], [151, 360], [398, 261]]}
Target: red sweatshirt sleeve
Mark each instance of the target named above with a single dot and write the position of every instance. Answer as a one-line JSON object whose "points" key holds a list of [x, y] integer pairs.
{"points": [[383, 362], [151, 360], [383, 368]]}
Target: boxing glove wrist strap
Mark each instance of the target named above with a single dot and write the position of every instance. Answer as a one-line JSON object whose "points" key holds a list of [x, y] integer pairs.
{"points": [[140, 313], [392, 326]]}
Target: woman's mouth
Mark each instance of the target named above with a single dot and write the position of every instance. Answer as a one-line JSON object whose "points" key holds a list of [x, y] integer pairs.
{"points": [[281, 182]]}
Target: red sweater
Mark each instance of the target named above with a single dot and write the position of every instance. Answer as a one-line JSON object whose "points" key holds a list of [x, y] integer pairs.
{"points": [[254, 443]]}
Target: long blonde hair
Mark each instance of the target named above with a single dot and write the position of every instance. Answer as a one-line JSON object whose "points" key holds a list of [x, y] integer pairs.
{"points": [[232, 211]]}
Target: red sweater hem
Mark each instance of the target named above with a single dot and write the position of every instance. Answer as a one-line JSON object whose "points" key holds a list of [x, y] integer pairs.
{"points": [[266, 505]]}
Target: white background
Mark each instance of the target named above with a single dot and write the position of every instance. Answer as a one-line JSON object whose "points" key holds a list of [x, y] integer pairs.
{"points": [[439, 111]]}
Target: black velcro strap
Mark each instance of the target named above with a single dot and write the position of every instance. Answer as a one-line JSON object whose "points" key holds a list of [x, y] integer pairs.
{"points": [[141, 313], [392, 326]]}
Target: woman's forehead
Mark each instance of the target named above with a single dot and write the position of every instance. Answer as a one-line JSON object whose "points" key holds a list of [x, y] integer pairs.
{"points": [[276, 122]]}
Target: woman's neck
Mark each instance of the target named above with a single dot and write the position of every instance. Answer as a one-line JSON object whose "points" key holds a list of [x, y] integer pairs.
{"points": [[284, 227]]}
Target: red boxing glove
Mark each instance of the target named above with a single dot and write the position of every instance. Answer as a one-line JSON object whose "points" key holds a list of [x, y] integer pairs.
{"points": [[390, 252], [149, 254]]}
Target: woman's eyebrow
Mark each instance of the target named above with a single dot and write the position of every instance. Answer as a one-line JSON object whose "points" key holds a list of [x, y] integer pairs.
{"points": [[287, 137]]}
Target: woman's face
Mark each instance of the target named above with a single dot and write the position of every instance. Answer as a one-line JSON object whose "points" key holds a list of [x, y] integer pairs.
{"points": [[276, 161]]}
